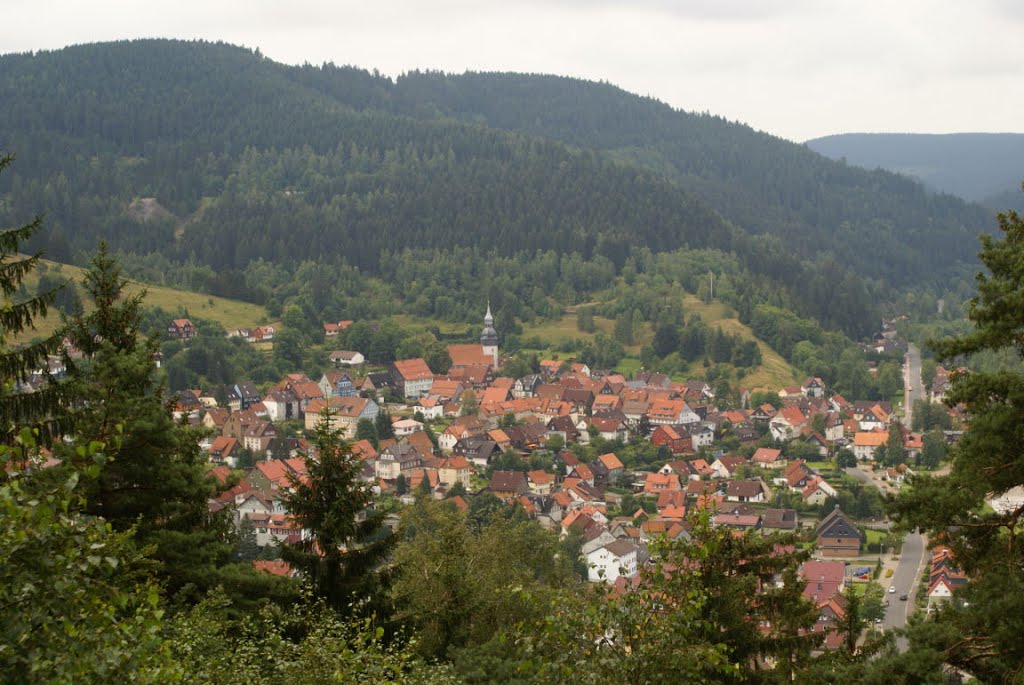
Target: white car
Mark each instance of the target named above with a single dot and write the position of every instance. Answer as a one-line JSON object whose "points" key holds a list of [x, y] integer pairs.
{"points": [[892, 589]]}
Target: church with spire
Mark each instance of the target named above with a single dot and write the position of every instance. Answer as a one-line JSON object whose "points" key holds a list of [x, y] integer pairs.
{"points": [[489, 337], [484, 354]]}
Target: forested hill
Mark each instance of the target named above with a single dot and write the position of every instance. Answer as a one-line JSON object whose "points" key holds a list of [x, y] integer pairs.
{"points": [[247, 159], [983, 167], [879, 223]]}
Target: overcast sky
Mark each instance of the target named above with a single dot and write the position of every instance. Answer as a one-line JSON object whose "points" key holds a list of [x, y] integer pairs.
{"points": [[794, 68]]}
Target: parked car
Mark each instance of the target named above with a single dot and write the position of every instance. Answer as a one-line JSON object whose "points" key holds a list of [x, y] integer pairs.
{"points": [[892, 589], [903, 597]]}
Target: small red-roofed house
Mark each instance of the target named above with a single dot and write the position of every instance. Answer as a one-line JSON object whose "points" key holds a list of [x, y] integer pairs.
{"points": [[678, 441], [866, 444], [224, 450], [540, 482], [220, 473], [657, 483], [940, 589], [768, 458], [787, 423], [584, 473], [606, 403], [697, 488], [672, 513], [727, 466], [737, 521], [181, 329], [913, 445], [455, 470], [817, 491], [363, 449], [671, 498], [412, 377], [824, 579], [613, 464], [274, 567], [500, 438]]}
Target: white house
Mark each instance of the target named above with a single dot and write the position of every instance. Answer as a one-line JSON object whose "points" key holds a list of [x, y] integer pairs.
{"points": [[347, 358], [404, 427], [939, 591], [865, 444], [281, 405], [700, 435], [613, 560], [431, 408]]}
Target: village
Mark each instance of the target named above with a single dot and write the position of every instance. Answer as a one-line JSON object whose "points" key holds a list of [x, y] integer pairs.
{"points": [[612, 460]]}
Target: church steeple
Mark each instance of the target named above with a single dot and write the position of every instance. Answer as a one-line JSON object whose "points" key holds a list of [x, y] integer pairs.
{"points": [[489, 337]]}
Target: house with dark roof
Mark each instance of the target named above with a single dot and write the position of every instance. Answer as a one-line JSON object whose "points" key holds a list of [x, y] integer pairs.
{"points": [[527, 386], [838, 535], [746, 491], [243, 395], [508, 485], [396, 460], [779, 520], [612, 561], [282, 404], [477, 449]]}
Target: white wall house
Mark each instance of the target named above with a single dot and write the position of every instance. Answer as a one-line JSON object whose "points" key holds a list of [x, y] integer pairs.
{"points": [[613, 560]]}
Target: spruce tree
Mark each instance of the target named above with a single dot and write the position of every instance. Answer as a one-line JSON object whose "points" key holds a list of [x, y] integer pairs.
{"points": [[152, 478], [346, 544], [17, 363]]}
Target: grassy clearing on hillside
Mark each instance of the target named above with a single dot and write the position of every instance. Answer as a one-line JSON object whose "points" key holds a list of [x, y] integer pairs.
{"points": [[228, 313], [558, 334], [774, 372]]}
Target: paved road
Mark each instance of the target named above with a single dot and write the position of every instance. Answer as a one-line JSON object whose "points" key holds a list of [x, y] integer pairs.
{"points": [[912, 387], [907, 573], [905, 580]]}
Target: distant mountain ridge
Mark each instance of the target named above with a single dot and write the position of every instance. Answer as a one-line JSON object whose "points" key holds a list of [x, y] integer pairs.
{"points": [[981, 167]]}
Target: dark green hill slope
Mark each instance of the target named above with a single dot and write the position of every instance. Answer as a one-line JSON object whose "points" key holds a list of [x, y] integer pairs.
{"points": [[982, 167], [295, 174], [883, 225]]}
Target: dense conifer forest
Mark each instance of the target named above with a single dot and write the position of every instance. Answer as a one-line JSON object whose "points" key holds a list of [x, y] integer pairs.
{"points": [[213, 156]]}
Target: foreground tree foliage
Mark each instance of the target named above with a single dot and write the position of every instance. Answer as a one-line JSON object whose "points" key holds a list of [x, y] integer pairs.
{"points": [[77, 603], [459, 583], [716, 608], [305, 646], [980, 630]]}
